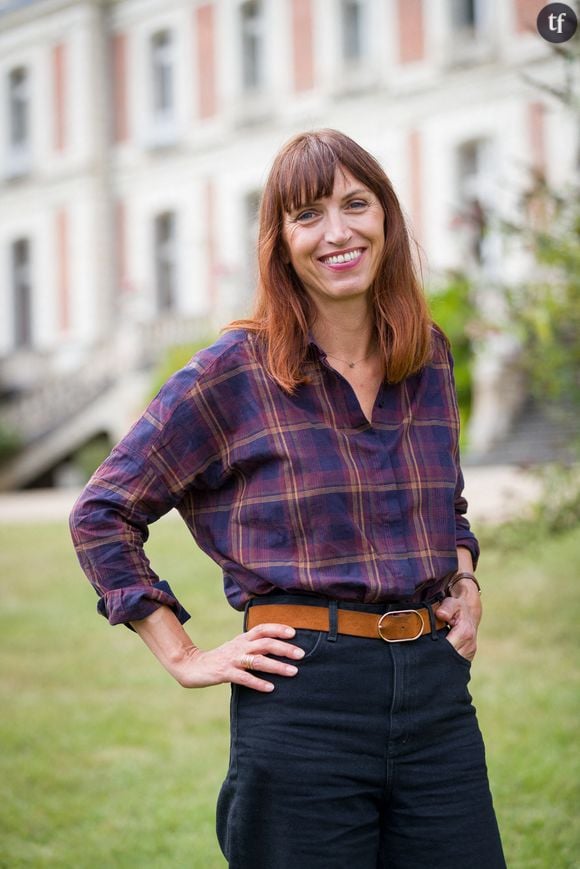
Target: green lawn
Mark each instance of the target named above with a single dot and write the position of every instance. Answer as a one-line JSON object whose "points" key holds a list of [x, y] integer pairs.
{"points": [[106, 762]]}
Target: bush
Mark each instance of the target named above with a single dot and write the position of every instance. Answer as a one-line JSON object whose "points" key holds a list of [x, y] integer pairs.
{"points": [[10, 444], [452, 310], [88, 458], [556, 512], [175, 358]]}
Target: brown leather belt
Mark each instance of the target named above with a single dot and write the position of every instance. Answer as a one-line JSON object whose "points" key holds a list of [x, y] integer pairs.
{"points": [[396, 626]]}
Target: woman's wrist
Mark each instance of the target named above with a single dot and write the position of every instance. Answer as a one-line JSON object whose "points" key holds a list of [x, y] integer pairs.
{"points": [[162, 632], [464, 588], [459, 577]]}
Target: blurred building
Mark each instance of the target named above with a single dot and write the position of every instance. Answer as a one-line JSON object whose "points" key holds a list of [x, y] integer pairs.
{"points": [[136, 136]]}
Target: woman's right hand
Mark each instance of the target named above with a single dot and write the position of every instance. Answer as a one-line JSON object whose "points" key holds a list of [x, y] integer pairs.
{"points": [[194, 668], [226, 663]]}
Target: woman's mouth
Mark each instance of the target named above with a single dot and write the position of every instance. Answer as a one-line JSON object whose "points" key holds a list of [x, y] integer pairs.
{"points": [[347, 257]]}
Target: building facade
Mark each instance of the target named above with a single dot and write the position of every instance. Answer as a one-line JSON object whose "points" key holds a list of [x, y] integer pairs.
{"points": [[137, 134]]}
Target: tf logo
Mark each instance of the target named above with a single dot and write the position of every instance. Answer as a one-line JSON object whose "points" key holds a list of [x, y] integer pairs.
{"points": [[557, 22]]}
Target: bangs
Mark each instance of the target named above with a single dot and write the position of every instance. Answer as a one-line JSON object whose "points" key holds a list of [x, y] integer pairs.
{"points": [[307, 174]]}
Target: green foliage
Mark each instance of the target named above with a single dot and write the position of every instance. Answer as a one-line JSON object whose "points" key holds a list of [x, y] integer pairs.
{"points": [[10, 444], [556, 512], [88, 458], [545, 311], [452, 309], [174, 359]]}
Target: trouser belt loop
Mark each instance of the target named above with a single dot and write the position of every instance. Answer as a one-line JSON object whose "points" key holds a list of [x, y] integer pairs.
{"points": [[332, 621], [246, 611], [434, 634]]}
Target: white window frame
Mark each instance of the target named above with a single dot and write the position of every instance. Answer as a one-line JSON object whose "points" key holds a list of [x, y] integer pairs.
{"points": [[473, 190], [252, 36], [340, 75], [22, 294], [165, 265], [360, 57], [471, 44], [19, 99], [161, 58]]}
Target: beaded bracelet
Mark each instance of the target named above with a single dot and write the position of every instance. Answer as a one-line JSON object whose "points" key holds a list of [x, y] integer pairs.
{"points": [[464, 574]]}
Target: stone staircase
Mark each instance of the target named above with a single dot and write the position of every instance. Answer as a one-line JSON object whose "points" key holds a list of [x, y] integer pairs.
{"points": [[542, 432], [63, 411]]}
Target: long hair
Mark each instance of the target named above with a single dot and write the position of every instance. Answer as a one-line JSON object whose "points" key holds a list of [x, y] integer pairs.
{"points": [[303, 171]]}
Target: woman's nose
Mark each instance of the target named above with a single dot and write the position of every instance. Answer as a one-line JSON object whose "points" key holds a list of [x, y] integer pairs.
{"points": [[337, 230]]}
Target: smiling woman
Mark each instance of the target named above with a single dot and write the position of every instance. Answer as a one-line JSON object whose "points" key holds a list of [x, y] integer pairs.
{"points": [[309, 171], [335, 244], [313, 453]]}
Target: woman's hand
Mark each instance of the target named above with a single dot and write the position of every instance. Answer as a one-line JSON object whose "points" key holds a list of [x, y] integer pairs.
{"points": [[194, 668], [226, 663], [462, 610]]}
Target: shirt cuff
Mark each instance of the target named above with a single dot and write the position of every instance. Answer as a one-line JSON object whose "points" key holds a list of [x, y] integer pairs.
{"points": [[125, 605]]}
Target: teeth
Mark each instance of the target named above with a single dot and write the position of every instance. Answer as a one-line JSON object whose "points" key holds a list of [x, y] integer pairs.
{"points": [[342, 257]]}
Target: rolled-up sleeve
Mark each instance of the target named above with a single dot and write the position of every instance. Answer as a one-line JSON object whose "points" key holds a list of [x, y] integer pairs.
{"points": [[169, 451], [464, 536]]}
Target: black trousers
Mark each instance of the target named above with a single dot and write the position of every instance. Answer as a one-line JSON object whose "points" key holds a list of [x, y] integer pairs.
{"points": [[370, 757]]}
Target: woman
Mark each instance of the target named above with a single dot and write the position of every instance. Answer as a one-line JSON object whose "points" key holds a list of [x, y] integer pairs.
{"points": [[313, 453]]}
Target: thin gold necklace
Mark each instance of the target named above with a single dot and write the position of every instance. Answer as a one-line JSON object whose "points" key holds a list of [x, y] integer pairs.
{"points": [[352, 364]]}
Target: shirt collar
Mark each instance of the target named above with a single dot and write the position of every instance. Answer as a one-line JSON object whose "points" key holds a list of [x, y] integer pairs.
{"points": [[317, 348]]}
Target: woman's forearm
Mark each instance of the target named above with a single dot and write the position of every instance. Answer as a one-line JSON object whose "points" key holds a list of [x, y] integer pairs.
{"points": [[163, 633], [464, 559], [165, 636]]}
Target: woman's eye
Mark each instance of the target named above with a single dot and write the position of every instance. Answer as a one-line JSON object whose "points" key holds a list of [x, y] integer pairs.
{"points": [[357, 204], [305, 216]]}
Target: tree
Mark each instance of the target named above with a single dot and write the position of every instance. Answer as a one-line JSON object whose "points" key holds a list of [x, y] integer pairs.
{"points": [[545, 310]]}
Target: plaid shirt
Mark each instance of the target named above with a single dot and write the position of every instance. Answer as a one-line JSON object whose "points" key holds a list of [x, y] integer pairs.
{"points": [[298, 492]]}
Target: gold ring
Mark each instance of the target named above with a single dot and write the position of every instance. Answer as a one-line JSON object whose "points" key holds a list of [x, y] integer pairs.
{"points": [[247, 662]]}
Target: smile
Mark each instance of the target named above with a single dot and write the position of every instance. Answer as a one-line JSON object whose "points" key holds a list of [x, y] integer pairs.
{"points": [[338, 258]]}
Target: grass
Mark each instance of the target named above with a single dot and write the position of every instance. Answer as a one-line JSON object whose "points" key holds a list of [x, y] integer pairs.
{"points": [[106, 762]]}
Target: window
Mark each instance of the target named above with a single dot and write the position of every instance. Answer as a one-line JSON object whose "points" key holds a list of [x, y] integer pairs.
{"points": [[22, 293], [252, 35], [471, 216], [250, 216], [463, 15], [19, 108], [467, 168], [18, 121], [165, 248], [162, 84], [469, 24], [353, 27]]}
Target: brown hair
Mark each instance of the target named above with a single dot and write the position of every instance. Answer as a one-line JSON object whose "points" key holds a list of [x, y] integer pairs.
{"points": [[302, 172]]}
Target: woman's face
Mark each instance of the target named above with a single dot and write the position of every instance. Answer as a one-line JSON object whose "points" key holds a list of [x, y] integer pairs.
{"points": [[335, 244]]}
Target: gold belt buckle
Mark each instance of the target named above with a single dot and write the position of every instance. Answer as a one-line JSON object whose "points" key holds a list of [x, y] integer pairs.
{"points": [[399, 639]]}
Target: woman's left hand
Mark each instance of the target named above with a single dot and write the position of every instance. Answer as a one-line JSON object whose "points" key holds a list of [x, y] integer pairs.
{"points": [[462, 611]]}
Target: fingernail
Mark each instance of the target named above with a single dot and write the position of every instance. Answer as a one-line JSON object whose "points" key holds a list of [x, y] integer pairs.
{"points": [[289, 632], [291, 670], [269, 687], [299, 653]]}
